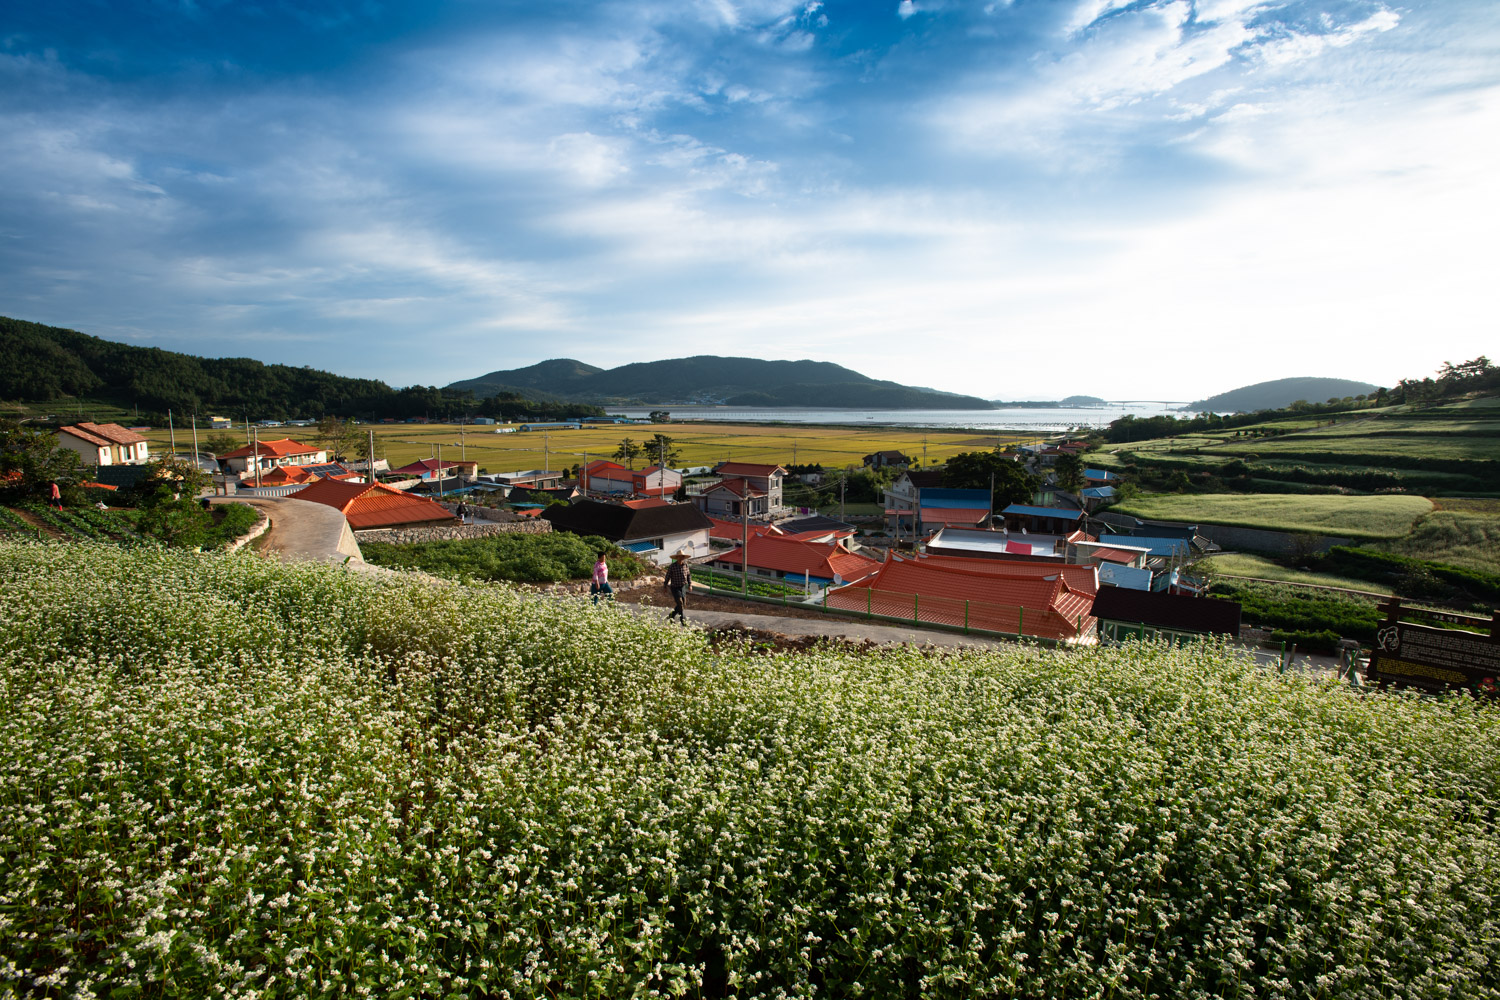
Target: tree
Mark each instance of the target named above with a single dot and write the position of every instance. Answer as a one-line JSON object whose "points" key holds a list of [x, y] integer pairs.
{"points": [[31, 460], [221, 443], [627, 452], [1069, 472], [971, 470], [660, 417], [338, 437], [167, 503], [659, 449]]}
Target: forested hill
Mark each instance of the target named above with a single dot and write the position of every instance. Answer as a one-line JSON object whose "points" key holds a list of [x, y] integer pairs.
{"points": [[708, 378], [1280, 393], [41, 363]]}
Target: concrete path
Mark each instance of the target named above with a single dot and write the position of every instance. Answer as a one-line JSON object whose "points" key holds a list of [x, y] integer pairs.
{"points": [[303, 530]]}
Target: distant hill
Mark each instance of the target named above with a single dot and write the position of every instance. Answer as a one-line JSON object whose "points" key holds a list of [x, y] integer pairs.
{"points": [[1280, 393], [711, 379], [41, 363]]}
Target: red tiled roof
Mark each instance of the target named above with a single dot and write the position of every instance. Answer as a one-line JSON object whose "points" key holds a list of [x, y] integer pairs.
{"points": [[954, 515], [1115, 555], [102, 435], [432, 465], [739, 487], [788, 555], [1037, 599], [746, 469], [279, 448], [647, 502], [734, 530], [372, 505], [604, 467]]}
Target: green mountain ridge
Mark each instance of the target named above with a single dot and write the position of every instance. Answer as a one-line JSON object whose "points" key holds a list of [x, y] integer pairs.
{"points": [[709, 378], [1279, 393]]}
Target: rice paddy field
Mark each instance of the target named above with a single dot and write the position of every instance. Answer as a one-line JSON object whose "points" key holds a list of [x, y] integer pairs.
{"points": [[221, 776], [697, 443], [1358, 517]]}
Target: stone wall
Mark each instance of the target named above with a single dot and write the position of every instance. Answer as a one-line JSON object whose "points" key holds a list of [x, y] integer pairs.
{"points": [[1275, 543], [448, 533]]}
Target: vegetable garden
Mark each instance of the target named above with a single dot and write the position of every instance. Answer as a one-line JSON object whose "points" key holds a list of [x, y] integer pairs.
{"points": [[222, 776]]}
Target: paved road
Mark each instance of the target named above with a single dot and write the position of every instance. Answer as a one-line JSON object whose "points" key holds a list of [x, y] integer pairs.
{"points": [[303, 530]]}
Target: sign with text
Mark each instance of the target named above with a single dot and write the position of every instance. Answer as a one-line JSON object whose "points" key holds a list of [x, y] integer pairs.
{"points": [[1435, 658]]}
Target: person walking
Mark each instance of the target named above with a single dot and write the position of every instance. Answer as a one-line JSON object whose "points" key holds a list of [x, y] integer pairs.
{"points": [[462, 512], [56, 497], [600, 584], [679, 578]]}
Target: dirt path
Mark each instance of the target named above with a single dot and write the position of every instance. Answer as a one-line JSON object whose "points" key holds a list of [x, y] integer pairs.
{"points": [[37, 522]]}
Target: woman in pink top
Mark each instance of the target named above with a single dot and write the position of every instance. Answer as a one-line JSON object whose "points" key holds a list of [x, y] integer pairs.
{"points": [[600, 585]]}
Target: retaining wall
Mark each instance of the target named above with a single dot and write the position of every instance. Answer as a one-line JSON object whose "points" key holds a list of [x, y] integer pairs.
{"points": [[1278, 543]]}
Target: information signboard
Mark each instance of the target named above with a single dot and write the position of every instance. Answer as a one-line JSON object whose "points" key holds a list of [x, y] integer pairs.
{"points": [[1436, 659]]}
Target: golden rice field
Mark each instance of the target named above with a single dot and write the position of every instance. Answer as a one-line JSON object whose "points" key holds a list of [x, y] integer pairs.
{"points": [[697, 443]]}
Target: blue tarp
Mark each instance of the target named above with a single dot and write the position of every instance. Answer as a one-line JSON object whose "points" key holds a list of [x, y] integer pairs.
{"points": [[1158, 546], [638, 547]]}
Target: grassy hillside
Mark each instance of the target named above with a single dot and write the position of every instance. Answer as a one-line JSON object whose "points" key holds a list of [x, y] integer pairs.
{"points": [[1375, 517], [222, 776]]}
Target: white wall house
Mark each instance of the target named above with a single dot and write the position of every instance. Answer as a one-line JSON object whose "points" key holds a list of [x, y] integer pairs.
{"points": [[104, 444]]}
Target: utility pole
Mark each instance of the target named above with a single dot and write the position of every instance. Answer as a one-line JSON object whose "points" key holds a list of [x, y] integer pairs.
{"points": [[744, 544], [171, 432], [370, 458], [463, 453], [195, 438], [440, 469], [844, 481], [990, 521], [255, 454]]}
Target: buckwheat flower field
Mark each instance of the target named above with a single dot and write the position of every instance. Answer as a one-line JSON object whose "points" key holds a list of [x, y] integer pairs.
{"points": [[225, 777]]}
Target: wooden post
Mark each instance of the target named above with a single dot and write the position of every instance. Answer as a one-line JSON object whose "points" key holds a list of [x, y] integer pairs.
{"points": [[869, 602], [1020, 619], [966, 616], [915, 610]]}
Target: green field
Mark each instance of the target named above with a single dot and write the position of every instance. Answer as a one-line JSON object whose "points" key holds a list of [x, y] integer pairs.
{"points": [[1244, 564], [225, 776], [1470, 539], [1360, 517]]}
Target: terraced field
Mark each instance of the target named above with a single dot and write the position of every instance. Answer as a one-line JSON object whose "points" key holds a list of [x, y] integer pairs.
{"points": [[1367, 517]]}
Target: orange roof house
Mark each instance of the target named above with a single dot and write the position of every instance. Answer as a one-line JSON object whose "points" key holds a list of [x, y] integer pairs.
{"points": [[1045, 600], [271, 454], [374, 505], [789, 558]]}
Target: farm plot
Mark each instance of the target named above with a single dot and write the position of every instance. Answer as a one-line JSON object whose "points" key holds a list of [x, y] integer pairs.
{"points": [[1361, 517], [224, 776]]}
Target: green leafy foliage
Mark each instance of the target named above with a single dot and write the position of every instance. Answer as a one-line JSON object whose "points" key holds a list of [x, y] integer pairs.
{"points": [[1314, 616], [221, 776], [31, 461], [521, 558], [974, 470]]}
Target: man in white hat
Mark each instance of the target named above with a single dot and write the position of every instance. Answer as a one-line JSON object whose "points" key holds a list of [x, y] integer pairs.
{"points": [[679, 578]]}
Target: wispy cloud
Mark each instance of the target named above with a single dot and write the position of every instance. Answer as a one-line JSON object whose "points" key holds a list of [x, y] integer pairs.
{"points": [[889, 186]]}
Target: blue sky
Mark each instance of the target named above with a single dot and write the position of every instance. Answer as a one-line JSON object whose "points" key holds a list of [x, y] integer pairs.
{"points": [[1022, 199]]}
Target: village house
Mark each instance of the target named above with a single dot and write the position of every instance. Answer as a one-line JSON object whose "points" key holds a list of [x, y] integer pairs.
{"points": [[743, 489], [431, 470], [289, 475], [655, 532], [952, 541], [375, 505], [938, 507], [1127, 614], [104, 444], [533, 479], [612, 478], [1044, 520], [267, 455], [1039, 599], [814, 564], [887, 460]]}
